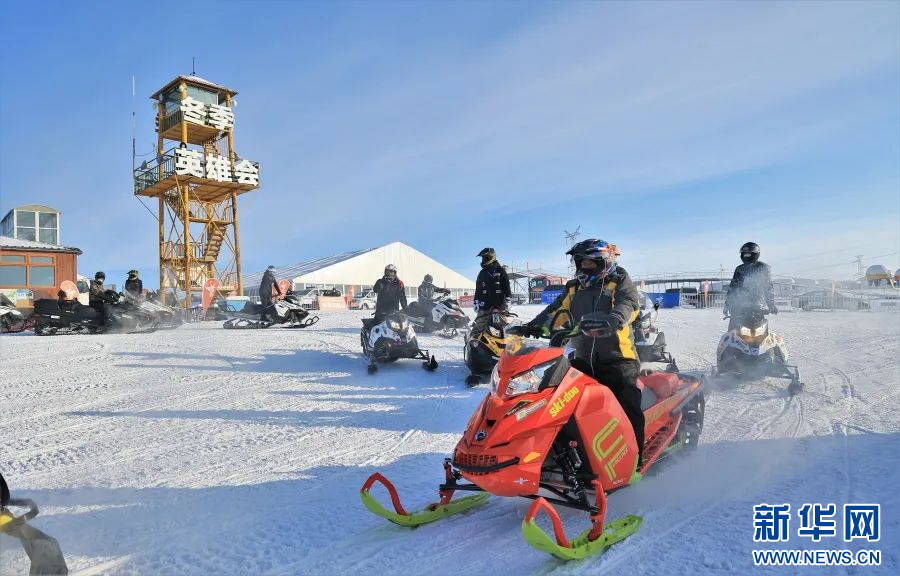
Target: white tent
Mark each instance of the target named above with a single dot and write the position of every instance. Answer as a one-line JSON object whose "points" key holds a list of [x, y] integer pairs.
{"points": [[364, 267]]}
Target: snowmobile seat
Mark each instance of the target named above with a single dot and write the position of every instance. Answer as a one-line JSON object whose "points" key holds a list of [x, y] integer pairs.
{"points": [[663, 384]]}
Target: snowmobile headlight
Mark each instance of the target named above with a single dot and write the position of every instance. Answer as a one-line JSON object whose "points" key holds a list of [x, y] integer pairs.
{"points": [[495, 379], [746, 331], [395, 325], [494, 331], [530, 381], [761, 330]]}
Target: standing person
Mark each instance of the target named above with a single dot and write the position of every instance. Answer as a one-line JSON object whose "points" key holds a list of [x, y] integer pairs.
{"points": [[266, 285], [600, 285], [751, 287], [133, 285], [391, 293], [492, 292]]}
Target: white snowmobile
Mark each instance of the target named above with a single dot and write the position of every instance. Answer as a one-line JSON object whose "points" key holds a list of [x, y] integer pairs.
{"points": [[43, 551], [443, 314], [751, 351], [11, 320], [649, 341], [166, 317], [287, 311], [391, 339]]}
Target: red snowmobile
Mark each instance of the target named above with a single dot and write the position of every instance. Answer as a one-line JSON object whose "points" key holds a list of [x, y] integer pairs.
{"points": [[549, 432]]}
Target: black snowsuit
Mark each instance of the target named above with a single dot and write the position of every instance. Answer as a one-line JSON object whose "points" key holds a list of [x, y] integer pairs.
{"points": [[99, 301], [611, 361], [750, 290], [134, 286], [491, 291], [391, 297], [266, 285]]}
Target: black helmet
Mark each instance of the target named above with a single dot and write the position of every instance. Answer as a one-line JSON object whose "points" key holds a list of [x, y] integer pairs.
{"points": [[488, 256], [100, 275], [599, 251], [428, 279], [749, 252]]}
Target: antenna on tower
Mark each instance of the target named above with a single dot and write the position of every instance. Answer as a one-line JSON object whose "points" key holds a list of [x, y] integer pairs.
{"points": [[193, 65]]}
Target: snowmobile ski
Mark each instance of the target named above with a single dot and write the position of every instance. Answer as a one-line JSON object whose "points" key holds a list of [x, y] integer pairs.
{"points": [[430, 513]]}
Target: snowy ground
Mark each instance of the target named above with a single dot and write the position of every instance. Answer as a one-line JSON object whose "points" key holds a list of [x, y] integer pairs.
{"points": [[206, 451]]}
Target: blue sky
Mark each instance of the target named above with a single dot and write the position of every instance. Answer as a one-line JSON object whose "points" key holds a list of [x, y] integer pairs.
{"points": [[677, 131]]}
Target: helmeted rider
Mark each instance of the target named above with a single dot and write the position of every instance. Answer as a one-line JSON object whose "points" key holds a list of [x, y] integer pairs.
{"points": [[492, 292], [97, 297], [391, 293], [266, 285], [600, 285], [751, 287], [134, 285], [427, 289]]}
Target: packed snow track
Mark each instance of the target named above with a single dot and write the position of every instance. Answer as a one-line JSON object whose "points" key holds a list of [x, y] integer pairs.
{"points": [[211, 451]]}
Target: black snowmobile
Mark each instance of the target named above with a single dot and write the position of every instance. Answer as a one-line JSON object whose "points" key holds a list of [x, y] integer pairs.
{"points": [[53, 317], [481, 354], [649, 341], [390, 339], [444, 314], [287, 311], [43, 550]]}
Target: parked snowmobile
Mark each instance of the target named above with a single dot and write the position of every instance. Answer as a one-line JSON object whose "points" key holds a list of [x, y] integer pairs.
{"points": [[167, 318], [649, 341], [11, 320], [287, 311], [752, 351], [443, 314], [481, 354], [43, 550], [391, 339], [71, 317], [549, 432]]}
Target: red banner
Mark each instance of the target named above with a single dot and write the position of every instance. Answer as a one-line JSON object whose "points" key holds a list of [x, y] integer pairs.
{"points": [[284, 286], [209, 291]]}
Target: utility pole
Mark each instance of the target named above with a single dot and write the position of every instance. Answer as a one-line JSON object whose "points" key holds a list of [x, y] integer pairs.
{"points": [[571, 239], [860, 273]]}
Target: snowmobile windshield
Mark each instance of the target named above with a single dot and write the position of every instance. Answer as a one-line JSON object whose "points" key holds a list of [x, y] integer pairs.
{"points": [[518, 346], [4, 301]]}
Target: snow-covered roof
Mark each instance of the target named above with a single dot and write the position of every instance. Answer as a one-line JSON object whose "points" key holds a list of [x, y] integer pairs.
{"points": [[18, 244], [363, 267]]}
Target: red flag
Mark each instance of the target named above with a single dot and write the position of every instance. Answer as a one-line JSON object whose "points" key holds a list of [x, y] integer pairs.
{"points": [[284, 286], [209, 290]]}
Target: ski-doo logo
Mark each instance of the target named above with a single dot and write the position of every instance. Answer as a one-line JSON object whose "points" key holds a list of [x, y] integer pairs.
{"points": [[481, 435], [557, 406]]}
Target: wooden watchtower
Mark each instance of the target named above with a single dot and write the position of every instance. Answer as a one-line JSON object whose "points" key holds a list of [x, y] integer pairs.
{"points": [[196, 178]]}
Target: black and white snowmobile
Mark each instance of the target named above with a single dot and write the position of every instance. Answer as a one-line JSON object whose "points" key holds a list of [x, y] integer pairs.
{"points": [[287, 311], [167, 318], [649, 341], [53, 317], [751, 351], [11, 319], [482, 353], [392, 338], [443, 314], [43, 551]]}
